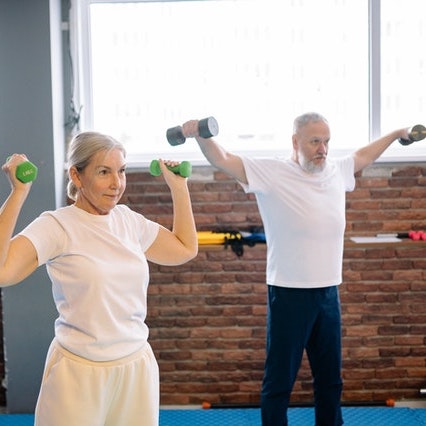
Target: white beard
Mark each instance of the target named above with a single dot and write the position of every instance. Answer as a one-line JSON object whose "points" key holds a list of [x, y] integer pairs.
{"points": [[309, 166]]}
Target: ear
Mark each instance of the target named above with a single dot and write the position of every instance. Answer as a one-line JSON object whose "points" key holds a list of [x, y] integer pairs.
{"points": [[74, 175], [294, 141]]}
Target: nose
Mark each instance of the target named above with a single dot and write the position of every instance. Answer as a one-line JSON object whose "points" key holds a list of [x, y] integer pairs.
{"points": [[323, 147], [115, 180]]}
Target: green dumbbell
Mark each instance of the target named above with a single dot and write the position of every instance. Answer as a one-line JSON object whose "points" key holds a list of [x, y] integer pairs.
{"points": [[184, 169], [26, 171]]}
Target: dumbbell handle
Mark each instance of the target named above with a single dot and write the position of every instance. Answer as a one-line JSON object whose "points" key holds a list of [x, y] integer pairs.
{"points": [[25, 171], [415, 134], [183, 169]]}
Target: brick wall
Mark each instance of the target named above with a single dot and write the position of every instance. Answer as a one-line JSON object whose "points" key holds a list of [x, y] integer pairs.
{"points": [[207, 318], [384, 291]]}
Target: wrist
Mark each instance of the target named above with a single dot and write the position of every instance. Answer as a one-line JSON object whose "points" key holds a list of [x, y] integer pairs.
{"points": [[20, 192]]}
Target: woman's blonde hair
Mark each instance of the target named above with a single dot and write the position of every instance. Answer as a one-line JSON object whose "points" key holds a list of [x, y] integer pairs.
{"points": [[81, 150]]}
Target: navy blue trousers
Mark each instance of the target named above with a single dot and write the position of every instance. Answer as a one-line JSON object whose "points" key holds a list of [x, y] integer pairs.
{"points": [[300, 319]]}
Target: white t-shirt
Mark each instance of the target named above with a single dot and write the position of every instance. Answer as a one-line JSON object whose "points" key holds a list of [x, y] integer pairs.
{"points": [[99, 275], [304, 219]]}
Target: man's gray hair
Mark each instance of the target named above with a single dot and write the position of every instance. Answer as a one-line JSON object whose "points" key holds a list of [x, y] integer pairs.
{"points": [[306, 118]]}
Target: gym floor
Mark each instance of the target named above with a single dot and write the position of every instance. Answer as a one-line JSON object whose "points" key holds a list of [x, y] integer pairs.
{"points": [[353, 416]]}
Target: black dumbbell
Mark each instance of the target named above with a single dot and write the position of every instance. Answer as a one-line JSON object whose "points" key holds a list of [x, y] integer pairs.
{"points": [[26, 171], [207, 127], [184, 168], [415, 134]]}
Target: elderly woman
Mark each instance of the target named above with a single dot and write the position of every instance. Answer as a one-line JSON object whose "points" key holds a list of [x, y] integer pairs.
{"points": [[100, 368]]}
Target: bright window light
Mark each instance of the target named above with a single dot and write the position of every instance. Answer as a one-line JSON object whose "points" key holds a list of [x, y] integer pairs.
{"points": [[145, 66], [403, 70], [252, 64]]}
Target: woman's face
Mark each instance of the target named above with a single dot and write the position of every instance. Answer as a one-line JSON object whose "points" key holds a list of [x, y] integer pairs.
{"points": [[102, 182]]}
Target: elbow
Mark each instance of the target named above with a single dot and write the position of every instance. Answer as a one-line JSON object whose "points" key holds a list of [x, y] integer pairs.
{"points": [[6, 281], [194, 253], [187, 255], [184, 255], [190, 254]]}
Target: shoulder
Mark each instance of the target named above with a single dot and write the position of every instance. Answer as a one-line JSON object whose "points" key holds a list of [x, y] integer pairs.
{"points": [[266, 164], [124, 214], [123, 209], [61, 211], [343, 163], [54, 215]]}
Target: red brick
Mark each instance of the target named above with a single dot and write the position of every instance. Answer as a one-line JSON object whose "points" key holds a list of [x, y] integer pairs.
{"points": [[207, 318]]}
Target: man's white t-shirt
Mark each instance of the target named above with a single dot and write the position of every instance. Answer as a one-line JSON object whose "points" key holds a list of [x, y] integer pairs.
{"points": [[99, 276], [304, 219]]}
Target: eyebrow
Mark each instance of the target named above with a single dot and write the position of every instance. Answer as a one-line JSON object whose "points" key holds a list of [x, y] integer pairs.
{"points": [[103, 166], [318, 138]]}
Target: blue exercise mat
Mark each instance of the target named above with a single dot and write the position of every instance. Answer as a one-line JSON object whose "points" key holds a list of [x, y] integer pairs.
{"points": [[353, 416]]}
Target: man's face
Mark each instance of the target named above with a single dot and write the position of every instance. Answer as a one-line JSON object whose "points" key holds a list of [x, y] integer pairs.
{"points": [[310, 145]]}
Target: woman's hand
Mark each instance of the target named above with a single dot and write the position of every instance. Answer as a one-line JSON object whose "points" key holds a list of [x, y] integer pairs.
{"points": [[173, 180], [180, 244], [10, 166]]}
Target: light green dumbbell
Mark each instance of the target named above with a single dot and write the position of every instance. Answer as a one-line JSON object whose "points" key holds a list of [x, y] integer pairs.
{"points": [[184, 168], [26, 171]]}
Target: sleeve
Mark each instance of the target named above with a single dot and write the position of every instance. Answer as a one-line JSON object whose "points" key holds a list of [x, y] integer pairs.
{"points": [[47, 236], [258, 174], [150, 231], [147, 229], [346, 166]]}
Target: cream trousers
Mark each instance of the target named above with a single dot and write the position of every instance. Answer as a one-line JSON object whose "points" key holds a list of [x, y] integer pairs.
{"points": [[78, 392]]}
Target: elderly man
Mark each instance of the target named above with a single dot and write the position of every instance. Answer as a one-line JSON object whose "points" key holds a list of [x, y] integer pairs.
{"points": [[302, 204]]}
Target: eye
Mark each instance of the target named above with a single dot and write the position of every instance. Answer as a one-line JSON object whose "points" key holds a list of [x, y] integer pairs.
{"points": [[317, 142]]}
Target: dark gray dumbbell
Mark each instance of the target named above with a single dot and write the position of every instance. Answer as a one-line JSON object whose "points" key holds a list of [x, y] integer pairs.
{"points": [[415, 134], [207, 127]]}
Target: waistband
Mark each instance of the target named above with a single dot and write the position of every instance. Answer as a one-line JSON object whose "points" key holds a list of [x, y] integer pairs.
{"points": [[145, 349]]}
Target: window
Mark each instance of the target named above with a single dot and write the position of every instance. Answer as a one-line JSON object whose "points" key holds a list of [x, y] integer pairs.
{"points": [[253, 64], [403, 70]]}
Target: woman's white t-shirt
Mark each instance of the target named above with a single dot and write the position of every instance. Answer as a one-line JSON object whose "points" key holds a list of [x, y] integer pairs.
{"points": [[99, 276]]}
